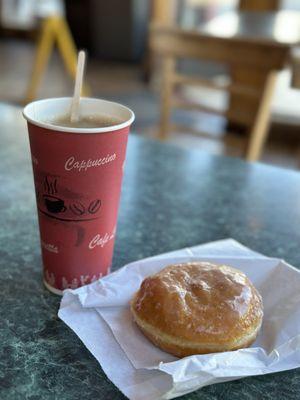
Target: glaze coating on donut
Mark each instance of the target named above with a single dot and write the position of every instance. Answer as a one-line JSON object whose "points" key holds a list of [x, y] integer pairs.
{"points": [[197, 308]]}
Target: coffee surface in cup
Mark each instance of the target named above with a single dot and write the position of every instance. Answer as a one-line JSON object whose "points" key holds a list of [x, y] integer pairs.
{"points": [[86, 121]]}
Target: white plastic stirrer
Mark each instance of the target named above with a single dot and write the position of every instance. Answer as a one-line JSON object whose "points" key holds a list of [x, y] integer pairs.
{"points": [[74, 112]]}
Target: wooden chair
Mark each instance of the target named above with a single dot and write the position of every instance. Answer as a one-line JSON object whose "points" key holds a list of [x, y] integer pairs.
{"points": [[259, 5], [53, 30], [259, 60]]}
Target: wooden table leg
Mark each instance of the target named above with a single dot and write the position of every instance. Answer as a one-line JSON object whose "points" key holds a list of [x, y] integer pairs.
{"points": [[242, 109], [168, 69], [260, 127]]}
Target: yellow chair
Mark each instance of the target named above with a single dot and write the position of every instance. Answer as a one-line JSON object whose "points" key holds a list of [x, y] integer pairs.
{"points": [[54, 29]]}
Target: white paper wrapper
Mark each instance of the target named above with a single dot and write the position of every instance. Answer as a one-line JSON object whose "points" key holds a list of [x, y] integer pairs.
{"points": [[99, 314]]}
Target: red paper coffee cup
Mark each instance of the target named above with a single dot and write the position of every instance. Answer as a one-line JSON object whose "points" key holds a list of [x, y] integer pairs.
{"points": [[77, 175]]}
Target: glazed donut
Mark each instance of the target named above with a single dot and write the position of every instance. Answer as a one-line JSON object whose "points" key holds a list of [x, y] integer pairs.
{"points": [[198, 308]]}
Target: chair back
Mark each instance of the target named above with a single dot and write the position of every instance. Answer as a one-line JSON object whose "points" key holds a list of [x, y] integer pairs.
{"points": [[259, 5]]}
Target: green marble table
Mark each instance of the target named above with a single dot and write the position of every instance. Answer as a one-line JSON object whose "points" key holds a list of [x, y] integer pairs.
{"points": [[171, 198]]}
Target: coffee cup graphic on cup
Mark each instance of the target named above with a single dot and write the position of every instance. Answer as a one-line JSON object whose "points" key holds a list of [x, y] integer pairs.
{"points": [[54, 204], [62, 204]]}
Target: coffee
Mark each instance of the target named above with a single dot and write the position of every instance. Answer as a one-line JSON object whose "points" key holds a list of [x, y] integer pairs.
{"points": [[87, 121], [78, 175]]}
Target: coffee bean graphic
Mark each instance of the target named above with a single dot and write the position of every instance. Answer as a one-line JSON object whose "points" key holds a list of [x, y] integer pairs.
{"points": [[94, 206], [77, 208]]}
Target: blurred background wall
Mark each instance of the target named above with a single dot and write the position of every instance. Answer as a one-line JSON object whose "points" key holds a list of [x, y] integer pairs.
{"points": [[110, 30]]}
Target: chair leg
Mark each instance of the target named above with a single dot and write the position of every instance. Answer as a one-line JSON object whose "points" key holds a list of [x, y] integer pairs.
{"points": [[260, 128], [43, 51], [168, 69], [68, 49]]}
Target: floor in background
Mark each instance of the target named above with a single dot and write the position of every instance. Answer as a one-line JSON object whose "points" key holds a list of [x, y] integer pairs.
{"points": [[123, 83]]}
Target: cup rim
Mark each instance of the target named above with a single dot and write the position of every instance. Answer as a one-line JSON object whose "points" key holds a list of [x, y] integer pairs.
{"points": [[49, 126]]}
